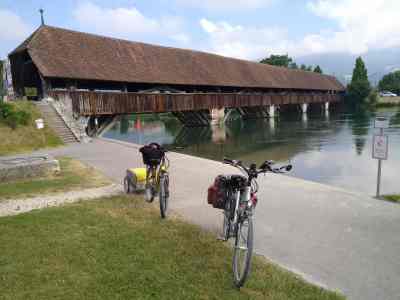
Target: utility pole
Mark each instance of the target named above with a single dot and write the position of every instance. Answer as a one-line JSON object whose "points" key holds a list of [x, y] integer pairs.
{"points": [[41, 16]]}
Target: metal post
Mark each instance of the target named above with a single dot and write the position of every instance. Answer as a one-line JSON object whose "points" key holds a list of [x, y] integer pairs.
{"points": [[378, 184]]}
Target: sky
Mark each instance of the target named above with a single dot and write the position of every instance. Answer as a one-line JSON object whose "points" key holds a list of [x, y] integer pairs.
{"points": [[247, 29]]}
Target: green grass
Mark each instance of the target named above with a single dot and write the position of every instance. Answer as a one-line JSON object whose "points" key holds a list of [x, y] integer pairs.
{"points": [[392, 198], [119, 248], [73, 175], [26, 138]]}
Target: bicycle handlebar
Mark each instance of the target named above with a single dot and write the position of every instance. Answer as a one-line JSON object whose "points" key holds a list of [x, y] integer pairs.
{"points": [[264, 168]]}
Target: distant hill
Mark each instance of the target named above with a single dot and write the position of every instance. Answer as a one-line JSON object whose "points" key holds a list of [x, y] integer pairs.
{"points": [[378, 62]]}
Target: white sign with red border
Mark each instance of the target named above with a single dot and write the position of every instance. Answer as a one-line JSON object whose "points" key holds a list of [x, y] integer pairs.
{"points": [[380, 147]]}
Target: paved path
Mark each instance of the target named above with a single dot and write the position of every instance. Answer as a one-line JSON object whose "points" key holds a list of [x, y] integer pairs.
{"points": [[339, 239]]}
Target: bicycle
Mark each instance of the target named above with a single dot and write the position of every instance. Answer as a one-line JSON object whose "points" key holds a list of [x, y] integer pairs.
{"points": [[155, 176], [238, 209]]}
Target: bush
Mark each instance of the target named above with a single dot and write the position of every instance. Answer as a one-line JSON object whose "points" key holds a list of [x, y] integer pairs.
{"points": [[373, 97], [13, 117]]}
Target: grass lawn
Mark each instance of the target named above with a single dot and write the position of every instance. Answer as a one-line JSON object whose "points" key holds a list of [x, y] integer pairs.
{"points": [[74, 175], [26, 138], [392, 198], [119, 248]]}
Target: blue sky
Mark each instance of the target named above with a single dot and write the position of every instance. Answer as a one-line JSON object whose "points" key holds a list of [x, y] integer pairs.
{"points": [[249, 29]]}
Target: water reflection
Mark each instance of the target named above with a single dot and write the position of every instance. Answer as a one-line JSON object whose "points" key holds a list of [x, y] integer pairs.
{"points": [[360, 124], [330, 148]]}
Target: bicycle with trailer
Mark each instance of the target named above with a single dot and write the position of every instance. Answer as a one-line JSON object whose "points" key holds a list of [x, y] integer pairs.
{"points": [[236, 195], [154, 178]]}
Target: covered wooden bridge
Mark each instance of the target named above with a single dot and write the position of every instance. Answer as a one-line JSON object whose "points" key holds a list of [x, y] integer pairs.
{"points": [[95, 76]]}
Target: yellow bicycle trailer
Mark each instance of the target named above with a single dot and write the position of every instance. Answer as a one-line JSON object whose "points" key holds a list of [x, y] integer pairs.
{"points": [[135, 179]]}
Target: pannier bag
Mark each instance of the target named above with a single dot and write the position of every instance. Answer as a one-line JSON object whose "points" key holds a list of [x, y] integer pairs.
{"points": [[152, 154], [218, 193]]}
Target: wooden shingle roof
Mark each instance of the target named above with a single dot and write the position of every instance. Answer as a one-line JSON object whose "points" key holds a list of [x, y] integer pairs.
{"points": [[61, 53]]}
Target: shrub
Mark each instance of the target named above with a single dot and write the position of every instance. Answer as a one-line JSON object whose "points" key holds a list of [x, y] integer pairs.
{"points": [[373, 97], [12, 117]]}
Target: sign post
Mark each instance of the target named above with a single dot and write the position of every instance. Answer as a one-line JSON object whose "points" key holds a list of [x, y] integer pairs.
{"points": [[380, 146]]}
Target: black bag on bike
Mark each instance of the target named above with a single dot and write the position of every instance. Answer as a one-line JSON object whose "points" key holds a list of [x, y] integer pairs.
{"points": [[152, 154], [218, 192]]}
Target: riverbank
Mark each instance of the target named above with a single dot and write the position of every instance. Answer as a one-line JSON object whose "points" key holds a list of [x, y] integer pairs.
{"points": [[338, 239], [388, 102]]}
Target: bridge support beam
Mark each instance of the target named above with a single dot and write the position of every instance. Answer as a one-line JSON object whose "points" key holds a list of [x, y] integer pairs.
{"points": [[257, 112], [193, 118]]}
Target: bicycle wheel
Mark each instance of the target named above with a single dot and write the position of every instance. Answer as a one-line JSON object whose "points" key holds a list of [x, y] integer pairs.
{"points": [[149, 191], [226, 227], [243, 250], [164, 194], [127, 186]]}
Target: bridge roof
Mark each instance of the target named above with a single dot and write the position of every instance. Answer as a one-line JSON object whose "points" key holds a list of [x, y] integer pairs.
{"points": [[62, 53]]}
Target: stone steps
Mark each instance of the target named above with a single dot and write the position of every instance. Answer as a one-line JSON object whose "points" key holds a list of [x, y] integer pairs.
{"points": [[55, 122]]}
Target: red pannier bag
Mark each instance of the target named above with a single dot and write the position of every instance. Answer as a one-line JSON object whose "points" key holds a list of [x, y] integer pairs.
{"points": [[217, 192]]}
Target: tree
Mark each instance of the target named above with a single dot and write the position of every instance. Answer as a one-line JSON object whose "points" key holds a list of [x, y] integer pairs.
{"points": [[303, 67], [293, 66], [390, 82], [278, 60], [318, 70], [309, 69], [359, 88], [1, 80]]}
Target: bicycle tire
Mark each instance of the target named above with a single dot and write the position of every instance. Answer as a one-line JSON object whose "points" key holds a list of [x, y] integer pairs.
{"points": [[127, 187], [163, 196], [226, 227], [241, 272]]}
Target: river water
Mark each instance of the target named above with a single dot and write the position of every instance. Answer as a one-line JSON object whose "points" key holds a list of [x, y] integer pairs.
{"points": [[334, 149]]}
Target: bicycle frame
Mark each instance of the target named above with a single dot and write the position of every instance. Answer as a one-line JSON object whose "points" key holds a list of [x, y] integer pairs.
{"points": [[156, 171]]}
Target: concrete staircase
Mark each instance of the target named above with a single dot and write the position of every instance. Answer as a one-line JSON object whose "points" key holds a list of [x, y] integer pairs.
{"points": [[55, 122]]}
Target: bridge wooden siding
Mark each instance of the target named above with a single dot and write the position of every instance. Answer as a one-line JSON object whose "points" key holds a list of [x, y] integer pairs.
{"points": [[90, 103]]}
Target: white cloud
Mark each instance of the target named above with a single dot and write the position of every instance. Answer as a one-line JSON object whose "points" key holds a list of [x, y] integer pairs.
{"points": [[363, 25], [226, 5], [243, 42], [13, 28], [128, 23]]}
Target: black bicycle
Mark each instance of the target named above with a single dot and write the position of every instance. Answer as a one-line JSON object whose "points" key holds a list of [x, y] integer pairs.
{"points": [[240, 202]]}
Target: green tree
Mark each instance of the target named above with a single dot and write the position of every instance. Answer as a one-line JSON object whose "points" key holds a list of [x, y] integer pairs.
{"points": [[303, 67], [318, 69], [1, 80], [390, 82], [293, 66], [278, 60], [359, 88]]}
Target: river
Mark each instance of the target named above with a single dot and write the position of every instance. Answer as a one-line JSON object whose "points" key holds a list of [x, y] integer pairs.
{"points": [[334, 149]]}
